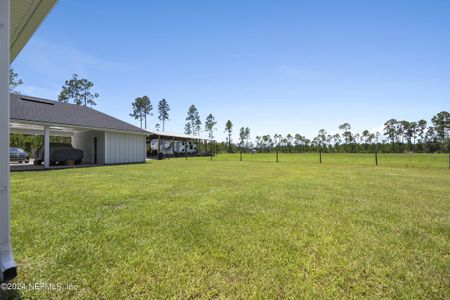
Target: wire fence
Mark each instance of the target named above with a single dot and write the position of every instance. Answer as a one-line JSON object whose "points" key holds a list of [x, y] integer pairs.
{"points": [[417, 160]]}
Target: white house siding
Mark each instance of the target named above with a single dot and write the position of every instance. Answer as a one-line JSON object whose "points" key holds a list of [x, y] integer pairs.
{"points": [[85, 141], [124, 148]]}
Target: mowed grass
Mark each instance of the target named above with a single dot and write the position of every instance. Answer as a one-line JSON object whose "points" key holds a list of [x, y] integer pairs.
{"points": [[229, 229]]}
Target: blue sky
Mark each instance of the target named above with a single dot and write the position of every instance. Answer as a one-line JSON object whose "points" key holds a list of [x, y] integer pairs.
{"points": [[274, 66]]}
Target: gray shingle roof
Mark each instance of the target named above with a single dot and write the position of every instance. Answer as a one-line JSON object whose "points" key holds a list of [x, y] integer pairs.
{"points": [[47, 111]]}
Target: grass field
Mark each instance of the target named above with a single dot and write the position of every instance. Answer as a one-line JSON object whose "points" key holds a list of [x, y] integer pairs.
{"points": [[230, 229]]}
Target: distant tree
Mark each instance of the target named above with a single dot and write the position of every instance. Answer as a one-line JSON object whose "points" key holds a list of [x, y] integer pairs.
{"points": [[402, 129], [408, 132], [297, 141], [242, 136], [247, 136], [210, 124], [193, 118], [258, 141], [413, 133], [142, 107], [365, 134], [289, 140], [163, 110], [14, 80], [79, 90], [420, 131], [390, 131], [277, 139], [229, 131], [441, 122], [337, 139], [138, 111], [158, 126], [430, 139], [347, 135], [147, 108]]}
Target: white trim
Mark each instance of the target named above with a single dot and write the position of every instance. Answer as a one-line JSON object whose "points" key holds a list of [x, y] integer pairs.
{"points": [[6, 257]]}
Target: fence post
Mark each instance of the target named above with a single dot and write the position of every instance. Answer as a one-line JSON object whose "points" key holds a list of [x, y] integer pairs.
{"points": [[240, 153], [277, 156], [320, 155], [376, 157]]}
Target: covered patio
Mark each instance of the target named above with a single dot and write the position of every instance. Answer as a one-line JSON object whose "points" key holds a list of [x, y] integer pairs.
{"points": [[99, 138], [46, 131]]}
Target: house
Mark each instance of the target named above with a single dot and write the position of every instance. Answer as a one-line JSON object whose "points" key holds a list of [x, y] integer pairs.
{"points": [[103, 138]]}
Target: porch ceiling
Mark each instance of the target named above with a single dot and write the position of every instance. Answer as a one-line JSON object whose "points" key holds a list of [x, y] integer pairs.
{"points": [[38, 129]]}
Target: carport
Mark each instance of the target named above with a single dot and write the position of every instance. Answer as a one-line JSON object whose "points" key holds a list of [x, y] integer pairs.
{"points": [[102, 138]]}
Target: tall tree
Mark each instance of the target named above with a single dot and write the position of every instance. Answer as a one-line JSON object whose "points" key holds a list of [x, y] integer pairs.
{"points": [[14, 80], [193, 118], [142, 107], [322, 136], [420, 131], [390, 130], [242, 135], [210, 124], [347, 135], [229, 131], [79, 90], [441, 122], [247, 136], [138, 109], [147, 108], [163, 109]]}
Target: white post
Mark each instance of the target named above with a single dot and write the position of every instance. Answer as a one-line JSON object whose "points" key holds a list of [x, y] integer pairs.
{"points": [[46, 147], [7, 264]]}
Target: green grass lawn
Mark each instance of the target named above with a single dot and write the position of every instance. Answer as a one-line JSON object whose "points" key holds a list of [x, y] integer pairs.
{"points": [[230, 229]]}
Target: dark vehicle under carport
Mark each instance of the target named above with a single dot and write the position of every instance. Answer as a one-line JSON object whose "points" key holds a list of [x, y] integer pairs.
{"points": [[59, 154], [18, 155]]}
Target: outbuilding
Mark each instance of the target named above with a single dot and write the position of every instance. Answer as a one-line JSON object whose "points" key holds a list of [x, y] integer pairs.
{"points": [[103, 138]]}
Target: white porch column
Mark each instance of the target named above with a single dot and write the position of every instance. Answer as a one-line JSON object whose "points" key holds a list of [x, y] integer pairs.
{"points": [[7, 264], [46, 147]]}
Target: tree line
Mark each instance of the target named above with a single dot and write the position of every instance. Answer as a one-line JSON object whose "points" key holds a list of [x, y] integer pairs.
{"points": [[397, 136]]}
